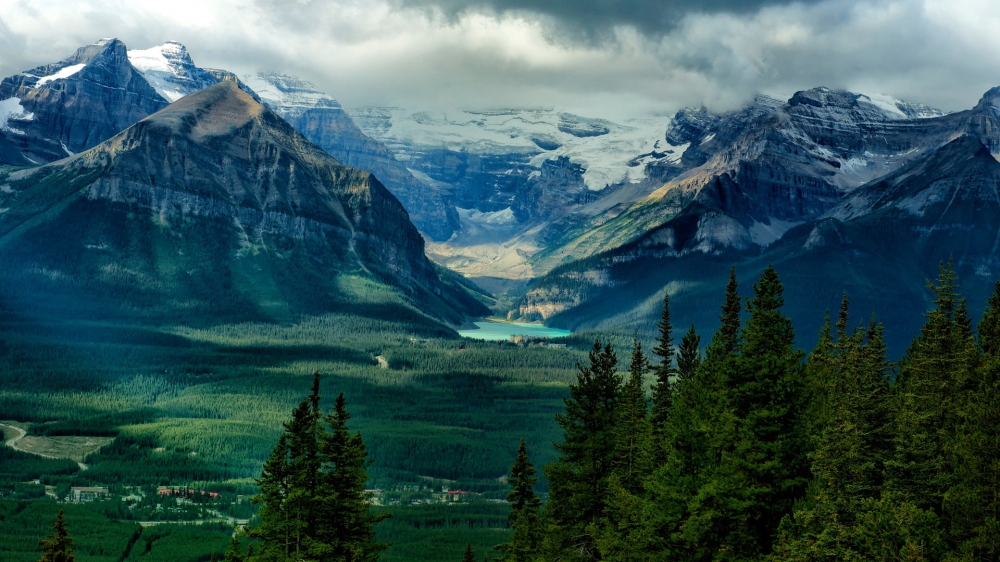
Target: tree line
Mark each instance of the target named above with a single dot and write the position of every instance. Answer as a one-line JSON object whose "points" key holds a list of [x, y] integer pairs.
{"points": [[747, 450], [754, 451]]}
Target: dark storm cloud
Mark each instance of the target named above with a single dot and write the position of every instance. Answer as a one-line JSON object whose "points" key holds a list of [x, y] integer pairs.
{"points": [[594, 17]]}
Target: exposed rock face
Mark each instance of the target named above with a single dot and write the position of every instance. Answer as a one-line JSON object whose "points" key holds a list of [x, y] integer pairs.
{"points": [[74, 104], [553, 170], [784, 184], [218, 189], [170, 71], [56, 110], [789, 162], [323, 121]]}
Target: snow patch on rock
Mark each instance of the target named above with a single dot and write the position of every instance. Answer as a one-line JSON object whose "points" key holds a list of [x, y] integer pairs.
{"points": [[170, 71], [62, 74], [10, 109]]}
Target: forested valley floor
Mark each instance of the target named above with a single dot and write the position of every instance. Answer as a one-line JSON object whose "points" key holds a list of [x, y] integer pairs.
{"points": [[735, 446]]}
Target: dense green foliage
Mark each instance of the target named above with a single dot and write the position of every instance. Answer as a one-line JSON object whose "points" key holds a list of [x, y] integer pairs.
{"points": [[57, 547], [17, 467], [312, 491], [761, 454], [525, 511], [766, 456], [440, 532]]}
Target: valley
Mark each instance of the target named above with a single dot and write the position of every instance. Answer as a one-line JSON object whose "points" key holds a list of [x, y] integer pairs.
{"points": [[183, 248]]}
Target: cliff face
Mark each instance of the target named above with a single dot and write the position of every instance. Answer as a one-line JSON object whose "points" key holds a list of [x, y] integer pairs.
{"points": [[74, 104], [323, 121], [217, 195]]}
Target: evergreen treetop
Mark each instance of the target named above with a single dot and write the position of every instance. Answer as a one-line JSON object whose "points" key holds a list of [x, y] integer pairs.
{"points": [[312, 490], [689, 355], [57, 547]]}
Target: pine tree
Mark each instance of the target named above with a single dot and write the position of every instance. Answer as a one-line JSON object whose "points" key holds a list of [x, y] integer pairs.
{"points": [[851, 451], [633, 462], [578, 480], [762, 450], [525, 506], [277, 524], [972, 504], [937, 370], [312, 490], [634, 433], [57, 547], [679, 514], [347, 532], [689, 355], [469, 555], [235, 551], [728, 334], [662, 393]]}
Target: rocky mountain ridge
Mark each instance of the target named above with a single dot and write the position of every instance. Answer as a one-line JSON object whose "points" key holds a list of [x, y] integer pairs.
{"points": [[216, 203], [880, 242], [59, 109], [56, 110]]}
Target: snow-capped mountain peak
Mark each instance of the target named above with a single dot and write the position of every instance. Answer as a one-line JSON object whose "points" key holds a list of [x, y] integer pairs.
{"points": [[291, 94], [170, 70]]}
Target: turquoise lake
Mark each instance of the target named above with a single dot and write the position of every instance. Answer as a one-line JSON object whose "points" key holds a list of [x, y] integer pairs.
{"points": [[502, 331]]}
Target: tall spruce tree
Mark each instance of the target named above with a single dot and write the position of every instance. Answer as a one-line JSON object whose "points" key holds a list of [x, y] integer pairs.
{"points": [[665, 371], [689, 355], [347, 531], [634, 434], [761, 446], [851, 451], [235, 551], [469, 555], [57, 547], [525, 511], [578, 480], [972, 504], [313, 503], [936, 372], [679, 514], [626, 509]]}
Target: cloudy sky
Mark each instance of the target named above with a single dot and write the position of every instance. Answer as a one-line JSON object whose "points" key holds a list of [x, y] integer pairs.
{"points": [[597, 57]]}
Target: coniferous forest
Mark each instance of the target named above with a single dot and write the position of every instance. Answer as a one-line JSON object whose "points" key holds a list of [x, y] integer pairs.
{"points": [[734, 446], [753, 451]]}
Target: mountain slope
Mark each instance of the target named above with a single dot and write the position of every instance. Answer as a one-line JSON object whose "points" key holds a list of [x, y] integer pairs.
{"points": [[323, 121], [521, 178], [212, 209], [879, 244], [59, 109], [794, 160]]}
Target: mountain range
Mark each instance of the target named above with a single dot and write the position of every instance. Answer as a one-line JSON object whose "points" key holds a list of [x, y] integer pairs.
{"points": [[840, 190], [212, 209], [835, 196]]}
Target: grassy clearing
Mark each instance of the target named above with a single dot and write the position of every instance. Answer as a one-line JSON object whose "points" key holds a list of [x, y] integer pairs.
{"points": [[62, 447]]}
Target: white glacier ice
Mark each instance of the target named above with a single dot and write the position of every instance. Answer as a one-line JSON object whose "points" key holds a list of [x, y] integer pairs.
{"points": [[10, 108], [64, 73]]}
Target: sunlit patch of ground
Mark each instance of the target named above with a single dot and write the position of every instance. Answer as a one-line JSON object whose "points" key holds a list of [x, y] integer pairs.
{"points": [[62, 447]]}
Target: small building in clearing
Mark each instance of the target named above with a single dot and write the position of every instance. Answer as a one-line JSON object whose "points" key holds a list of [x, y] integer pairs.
{"points": [[88, 494]]}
